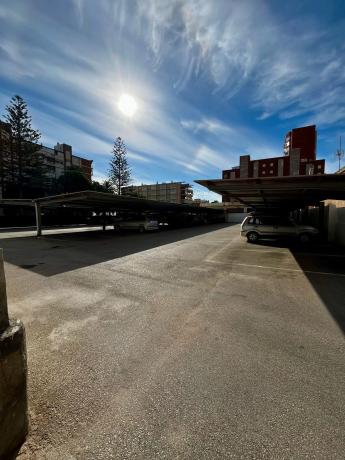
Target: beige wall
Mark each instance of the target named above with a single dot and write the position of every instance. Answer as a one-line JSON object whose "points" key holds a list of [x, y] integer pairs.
{"points": [[336, 221], [171, 192], [235, 217]]}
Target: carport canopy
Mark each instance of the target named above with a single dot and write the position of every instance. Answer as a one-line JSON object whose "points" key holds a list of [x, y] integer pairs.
{"points": [[290, 193], [102, 202]]}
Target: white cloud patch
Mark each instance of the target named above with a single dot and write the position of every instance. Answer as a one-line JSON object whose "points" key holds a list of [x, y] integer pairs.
{"points": [[74, 65], [99, 176]]}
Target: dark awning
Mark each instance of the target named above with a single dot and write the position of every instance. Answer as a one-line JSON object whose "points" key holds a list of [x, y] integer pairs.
{"points": [[104, 202], [289, 192], [99, 201]]}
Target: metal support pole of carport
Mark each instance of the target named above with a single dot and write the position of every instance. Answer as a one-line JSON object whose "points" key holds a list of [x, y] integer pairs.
{"points": [[38, 219], [103, 221]]}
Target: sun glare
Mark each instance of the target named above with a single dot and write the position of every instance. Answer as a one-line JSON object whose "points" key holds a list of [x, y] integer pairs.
{"points": [[127, 105]]}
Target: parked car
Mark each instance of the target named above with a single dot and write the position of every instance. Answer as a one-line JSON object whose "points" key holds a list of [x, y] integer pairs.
{"points": [[163, 225], [255, 227], [141, 224]]}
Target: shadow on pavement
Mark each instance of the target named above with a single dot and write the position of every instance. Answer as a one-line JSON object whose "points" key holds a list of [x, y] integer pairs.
{"points": [[62, 252], [324, 266]]}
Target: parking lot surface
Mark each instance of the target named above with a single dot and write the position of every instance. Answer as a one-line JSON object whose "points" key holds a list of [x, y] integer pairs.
{"points": [[189, 344]]}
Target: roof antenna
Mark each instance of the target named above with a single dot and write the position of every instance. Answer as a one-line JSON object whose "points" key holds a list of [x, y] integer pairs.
{"points": [[340, 152]]}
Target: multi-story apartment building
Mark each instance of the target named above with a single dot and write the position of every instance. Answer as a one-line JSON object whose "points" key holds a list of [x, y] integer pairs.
{"points": [[299, 159], [56, 160], [60, 157], [169, 192]]}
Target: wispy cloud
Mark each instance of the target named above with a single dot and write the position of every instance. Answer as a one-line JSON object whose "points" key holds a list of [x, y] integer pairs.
{"points": [[206, 124], [287, 61], [136, 156], [78, 5], [210, 79]]}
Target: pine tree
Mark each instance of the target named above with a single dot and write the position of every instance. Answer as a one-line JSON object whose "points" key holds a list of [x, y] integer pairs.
{"points": [[107, 186], [119, 173], [26, 167], [4, 157], [104, 187], [73, 180]]}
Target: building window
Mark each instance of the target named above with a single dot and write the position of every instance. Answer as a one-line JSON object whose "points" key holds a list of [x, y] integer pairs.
{"points": [[271, 164], [263, 172], [264, 165], [318, 166], [271, 171]]}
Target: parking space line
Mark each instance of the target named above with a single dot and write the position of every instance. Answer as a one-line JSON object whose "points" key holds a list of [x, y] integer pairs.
{"points": [[278, 250], [317, 254], [277, 268]]}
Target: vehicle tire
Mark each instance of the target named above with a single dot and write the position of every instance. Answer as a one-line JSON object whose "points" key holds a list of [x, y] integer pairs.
{"points": [[252, 237], [141, 229], [304, 238]]}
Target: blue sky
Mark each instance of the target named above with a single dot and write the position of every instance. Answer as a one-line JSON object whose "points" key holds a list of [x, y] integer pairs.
{"points": [[211, 79]]}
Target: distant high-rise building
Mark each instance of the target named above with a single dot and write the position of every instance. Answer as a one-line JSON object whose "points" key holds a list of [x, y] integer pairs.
{"points": [[299, 159], [169, 192]]}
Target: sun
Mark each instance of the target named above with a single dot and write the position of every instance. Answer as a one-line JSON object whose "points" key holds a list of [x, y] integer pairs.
{"points": [[127, 105]]}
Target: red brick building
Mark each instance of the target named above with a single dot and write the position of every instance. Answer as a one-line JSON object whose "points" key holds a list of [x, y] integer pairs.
{"points": [[299, 159]]}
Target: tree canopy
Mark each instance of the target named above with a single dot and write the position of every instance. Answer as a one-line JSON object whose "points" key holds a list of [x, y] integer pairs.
{"points": [[73, 180], [105, 186], [22, 168], [119, 172]]}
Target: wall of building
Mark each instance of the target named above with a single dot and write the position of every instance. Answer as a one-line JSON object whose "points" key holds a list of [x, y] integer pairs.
{"points": [[86, 167], [292, 165], [54, 161], [235, 217], [330, 220], [336, 221], [169, 192], [60, 157], [299, 159], [304, 139]]}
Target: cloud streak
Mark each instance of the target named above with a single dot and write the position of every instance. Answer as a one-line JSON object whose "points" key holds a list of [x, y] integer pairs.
{"points": [[210, 82]]}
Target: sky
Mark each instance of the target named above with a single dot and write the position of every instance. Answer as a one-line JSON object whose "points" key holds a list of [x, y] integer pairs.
{"points": [[208, 80]]}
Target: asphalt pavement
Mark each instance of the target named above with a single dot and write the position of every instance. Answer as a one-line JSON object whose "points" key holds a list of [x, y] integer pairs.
{"points": [[186, 344]]}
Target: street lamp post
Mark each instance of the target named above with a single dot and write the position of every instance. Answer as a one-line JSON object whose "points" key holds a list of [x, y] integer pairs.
{"points": [[340, 153]]}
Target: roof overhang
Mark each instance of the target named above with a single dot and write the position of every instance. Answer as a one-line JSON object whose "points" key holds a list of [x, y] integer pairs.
{"points": [[99, 201], [288, 192]]}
